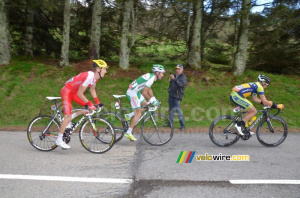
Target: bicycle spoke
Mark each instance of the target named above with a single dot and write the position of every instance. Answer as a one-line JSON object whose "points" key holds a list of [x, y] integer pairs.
{"points": [[98, 138], [38, 131], [154, 130], [272, 132], [222, 131]]}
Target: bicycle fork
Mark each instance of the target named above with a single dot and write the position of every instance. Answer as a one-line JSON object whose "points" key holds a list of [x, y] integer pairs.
{"points": [[270, 124], [93, 125]]}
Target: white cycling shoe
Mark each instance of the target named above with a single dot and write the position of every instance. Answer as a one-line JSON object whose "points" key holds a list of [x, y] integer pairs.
{"points": [[239, 129], [62, 144]]}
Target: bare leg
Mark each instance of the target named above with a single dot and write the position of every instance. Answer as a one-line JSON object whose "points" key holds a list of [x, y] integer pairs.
{"points": [[67, 120], [137, 115], [250, 113]]}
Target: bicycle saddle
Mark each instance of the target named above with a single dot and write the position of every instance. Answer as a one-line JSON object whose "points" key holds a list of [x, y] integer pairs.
{"points": [[119, 96], [53, 98]]}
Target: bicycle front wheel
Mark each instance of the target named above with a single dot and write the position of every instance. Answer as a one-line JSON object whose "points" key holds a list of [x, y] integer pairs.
{"points": [[272, 132], [222, 132], [157, 129], [98, 138], [42, 132]]}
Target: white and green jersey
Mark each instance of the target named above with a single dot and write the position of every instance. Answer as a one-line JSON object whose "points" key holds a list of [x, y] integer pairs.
{"points": [[140, 83]]}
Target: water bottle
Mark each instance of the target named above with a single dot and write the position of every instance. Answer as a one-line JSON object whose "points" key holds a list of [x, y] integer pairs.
{"points": [[251, 120], [117, 105]]}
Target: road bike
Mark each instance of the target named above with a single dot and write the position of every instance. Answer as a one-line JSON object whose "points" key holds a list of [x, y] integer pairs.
{"points": [[156, 128], [96, 134], [271, 131]]}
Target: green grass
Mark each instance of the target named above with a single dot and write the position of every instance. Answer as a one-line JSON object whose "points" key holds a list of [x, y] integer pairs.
{"points": [[25, 84]]}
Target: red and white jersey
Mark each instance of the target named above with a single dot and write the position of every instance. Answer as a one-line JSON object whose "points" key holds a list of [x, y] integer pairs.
{"points": [[87, 79]]}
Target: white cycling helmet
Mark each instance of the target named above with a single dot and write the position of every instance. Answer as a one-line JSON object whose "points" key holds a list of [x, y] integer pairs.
{"points": [[158, 68], [263, 78]]}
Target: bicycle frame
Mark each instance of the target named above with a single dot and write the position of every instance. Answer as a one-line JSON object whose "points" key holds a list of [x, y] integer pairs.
{"points": [[148, 112], [264, 113], [58, 114]]}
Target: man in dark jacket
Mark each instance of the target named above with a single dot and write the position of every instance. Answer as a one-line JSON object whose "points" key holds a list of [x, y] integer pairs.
{"points": [[176, 92]]}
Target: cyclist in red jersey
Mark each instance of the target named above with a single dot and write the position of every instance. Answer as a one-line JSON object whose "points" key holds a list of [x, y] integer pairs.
{"points": [[73, 91]]}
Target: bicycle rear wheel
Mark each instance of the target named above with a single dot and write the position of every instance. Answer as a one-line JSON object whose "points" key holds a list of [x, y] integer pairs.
{"points": [[222, 132], [272, 132], [155, 129], [117, 123], [99, 141], [42, 133]]}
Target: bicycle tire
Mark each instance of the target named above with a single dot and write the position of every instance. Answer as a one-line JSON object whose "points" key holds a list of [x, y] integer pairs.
{"points": [[163, 131], [217, 133], [43, 142], [117, 123], [264, 133], [97, 142]]}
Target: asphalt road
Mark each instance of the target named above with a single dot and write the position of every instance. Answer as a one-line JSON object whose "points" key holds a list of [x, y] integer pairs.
{"points": [[153, 171]]}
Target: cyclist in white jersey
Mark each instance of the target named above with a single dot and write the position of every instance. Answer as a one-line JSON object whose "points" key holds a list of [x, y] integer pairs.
{"points": [[139, 92]]}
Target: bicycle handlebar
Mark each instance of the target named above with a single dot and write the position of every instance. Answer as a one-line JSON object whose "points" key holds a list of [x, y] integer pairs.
{"points": [[278, 111], [154, 108], [93, 111], [268, 107]]}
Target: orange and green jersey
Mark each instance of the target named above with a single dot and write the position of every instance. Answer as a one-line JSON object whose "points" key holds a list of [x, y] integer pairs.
{"points": [[249, 89]]}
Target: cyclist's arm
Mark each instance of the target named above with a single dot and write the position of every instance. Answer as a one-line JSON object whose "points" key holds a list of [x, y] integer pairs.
{"points": [[147, 93], [81, 95], [265, 101], [256, 99], [93, 90]]}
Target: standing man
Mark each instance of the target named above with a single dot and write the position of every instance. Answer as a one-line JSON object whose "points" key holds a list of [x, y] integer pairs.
{"points": [[176, 92]]}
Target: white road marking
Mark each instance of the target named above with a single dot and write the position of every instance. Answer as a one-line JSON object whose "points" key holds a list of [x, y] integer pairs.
{"points": [[264, 181], [60, 178]]}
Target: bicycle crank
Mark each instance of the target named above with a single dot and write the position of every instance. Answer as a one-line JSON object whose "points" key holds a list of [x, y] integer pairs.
{"points": [[67, 136]]}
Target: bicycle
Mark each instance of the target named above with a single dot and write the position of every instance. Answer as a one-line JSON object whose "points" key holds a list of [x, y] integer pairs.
{"points": [[96, 134], [156, 128], [271, 131]]}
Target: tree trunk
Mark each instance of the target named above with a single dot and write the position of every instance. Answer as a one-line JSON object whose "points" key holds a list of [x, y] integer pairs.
{"points": [[188, 28], [125, 50], [66, 36], [94, 51], [194, 54], [134, 14], [4, 35], [203, 32], [29, 29], [241, 52], [161, 19], [234, 38]]}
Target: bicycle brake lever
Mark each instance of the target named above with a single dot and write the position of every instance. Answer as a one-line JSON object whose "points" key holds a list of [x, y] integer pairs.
{"points": [[99, 109]]}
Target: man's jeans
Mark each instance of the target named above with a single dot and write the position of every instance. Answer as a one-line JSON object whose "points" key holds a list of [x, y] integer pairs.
{"points": [[175, 106]]}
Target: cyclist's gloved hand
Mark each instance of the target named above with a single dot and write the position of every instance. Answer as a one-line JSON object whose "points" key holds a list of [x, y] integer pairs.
{"points": [[152, 100], [90, 105], [156, 103], [280, 106]]}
